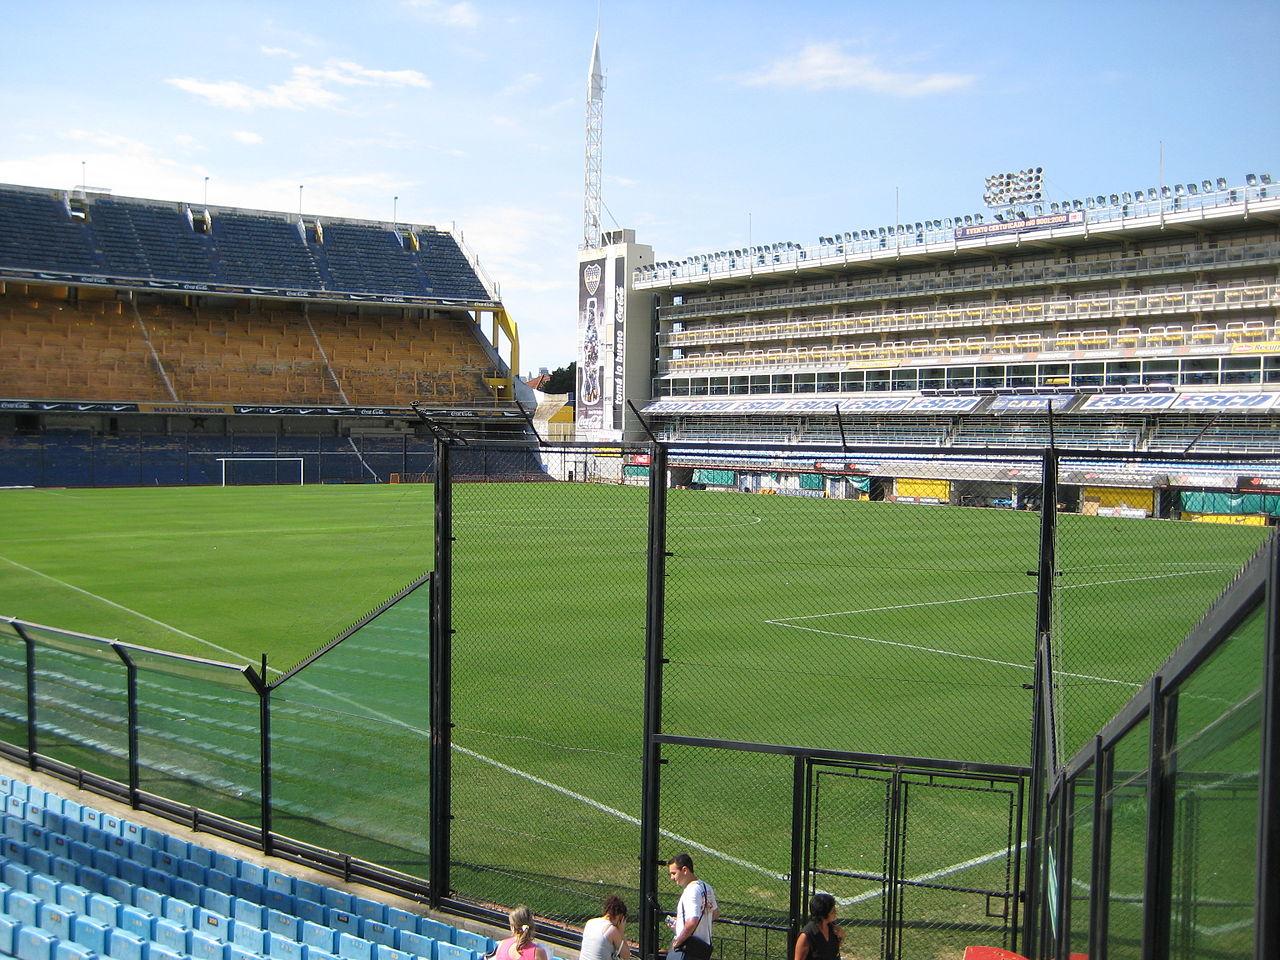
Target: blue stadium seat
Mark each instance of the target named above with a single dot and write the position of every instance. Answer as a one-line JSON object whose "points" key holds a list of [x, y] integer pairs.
{"points": [[68, 950], [22, 906], [136, 921], [416, 943], [250, 938], [377, 932], [354, 948], [123, 945], [319, 935], [474, 942], [173, 935], [284, 948], [56, 920], [8, 933], [450, 951], [284, 924], [73, 898], [205, 947], [246, 911], [32, 943], [90, 932]]}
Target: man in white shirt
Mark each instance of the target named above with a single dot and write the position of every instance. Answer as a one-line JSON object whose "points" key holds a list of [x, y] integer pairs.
{"points": [[695, 912]]}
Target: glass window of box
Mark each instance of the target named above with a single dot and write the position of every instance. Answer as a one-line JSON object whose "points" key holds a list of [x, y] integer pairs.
{"points": [[679, 388], [759, 383], [1021, 375], [904, 379], [1160, 371], [959, 378], [828, 383], [1122, 372], [852, 381], [805, 382], [1053, 374], [877, 380], [719, 387], [991, 377], [782, 383], [933, 378], [1086, 374], [697, 386], [1241, 369], [1201, 370], [739, 386], [1271, 369]]}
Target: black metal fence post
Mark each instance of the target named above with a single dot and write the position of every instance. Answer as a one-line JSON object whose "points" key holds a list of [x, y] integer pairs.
{"points": [[654, 660], [1157, 893], [441, 680], [799, 846], [263, 690], [30, 644], [1267, 931], [131, 695], [1041, 721]]}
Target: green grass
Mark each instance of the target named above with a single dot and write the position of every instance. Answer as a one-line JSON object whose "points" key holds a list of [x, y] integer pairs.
{"points": [[857, 626]]}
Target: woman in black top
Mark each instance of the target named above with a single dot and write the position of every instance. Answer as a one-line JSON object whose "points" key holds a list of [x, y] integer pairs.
{"points": [[820, 938]]}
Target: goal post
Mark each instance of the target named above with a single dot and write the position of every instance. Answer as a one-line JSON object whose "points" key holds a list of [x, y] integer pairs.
{"points": [[230, 473]]}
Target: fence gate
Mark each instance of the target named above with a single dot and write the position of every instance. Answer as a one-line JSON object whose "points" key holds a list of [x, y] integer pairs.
{"points": [[926, 861]]}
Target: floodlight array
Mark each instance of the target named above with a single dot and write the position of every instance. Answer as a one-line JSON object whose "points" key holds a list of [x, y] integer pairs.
{"points": [[1010, 189]]}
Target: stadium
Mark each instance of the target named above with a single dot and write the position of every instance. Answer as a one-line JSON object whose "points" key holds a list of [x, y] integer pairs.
{"points": [[929, 565]]}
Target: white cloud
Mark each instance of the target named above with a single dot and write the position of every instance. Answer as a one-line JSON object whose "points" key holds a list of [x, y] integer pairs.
{"points": [[306, 87], [822, 66], [521, 84], [279, 52], [246, 136], [460, 14]]}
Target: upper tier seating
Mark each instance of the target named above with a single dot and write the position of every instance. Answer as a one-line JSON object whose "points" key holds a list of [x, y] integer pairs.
{"points": [[78, 883], [126, 238]]}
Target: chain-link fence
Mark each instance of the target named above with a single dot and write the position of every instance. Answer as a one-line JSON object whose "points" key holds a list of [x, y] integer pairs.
{"points": [[811, 670], [548, 618]]}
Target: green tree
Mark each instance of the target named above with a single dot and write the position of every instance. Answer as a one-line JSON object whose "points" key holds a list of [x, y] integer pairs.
{"points": [[563, 379]]}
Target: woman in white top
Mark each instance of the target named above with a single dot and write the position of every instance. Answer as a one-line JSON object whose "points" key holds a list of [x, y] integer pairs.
{"points": [[604, 938]]}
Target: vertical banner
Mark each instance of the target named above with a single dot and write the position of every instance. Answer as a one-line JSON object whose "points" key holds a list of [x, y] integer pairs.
{"points": [[589, 411], [619, 329]]}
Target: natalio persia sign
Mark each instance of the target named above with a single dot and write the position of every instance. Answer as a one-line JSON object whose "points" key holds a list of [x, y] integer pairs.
{"points": [[1185, 402], [848, 405]]}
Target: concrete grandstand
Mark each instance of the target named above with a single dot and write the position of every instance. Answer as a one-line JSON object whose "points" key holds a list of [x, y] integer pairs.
{"points": [[1136, 321], [256, 331]]}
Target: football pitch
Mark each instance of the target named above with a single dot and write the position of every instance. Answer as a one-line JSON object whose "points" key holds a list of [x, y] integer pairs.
{"points": [[865, 627]]}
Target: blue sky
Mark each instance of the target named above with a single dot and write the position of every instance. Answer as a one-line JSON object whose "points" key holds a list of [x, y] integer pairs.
{"points": [[724, 121]]}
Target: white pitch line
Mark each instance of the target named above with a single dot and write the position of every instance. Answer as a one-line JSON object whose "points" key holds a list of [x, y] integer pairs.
{"points": [[926, 877], [792, 624], [129, 610], [991, 596]]}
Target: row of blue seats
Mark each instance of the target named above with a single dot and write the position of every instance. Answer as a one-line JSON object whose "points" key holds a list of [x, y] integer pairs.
{"points": [[105, 927], [144, 907], [68, 854]]}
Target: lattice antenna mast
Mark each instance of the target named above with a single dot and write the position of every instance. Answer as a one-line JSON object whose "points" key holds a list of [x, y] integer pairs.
{"points": [[595, 128]]}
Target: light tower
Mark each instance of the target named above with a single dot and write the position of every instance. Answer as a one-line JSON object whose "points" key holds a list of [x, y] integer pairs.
{"points": [[595, 127]]}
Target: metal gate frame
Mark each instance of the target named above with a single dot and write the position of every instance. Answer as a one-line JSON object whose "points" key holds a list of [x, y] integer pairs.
{"points": [[806, 761], [899, 780]]}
